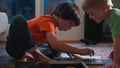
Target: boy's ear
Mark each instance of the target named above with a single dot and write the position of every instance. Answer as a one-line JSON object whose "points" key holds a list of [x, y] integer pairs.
{"points": [[105, 7]]}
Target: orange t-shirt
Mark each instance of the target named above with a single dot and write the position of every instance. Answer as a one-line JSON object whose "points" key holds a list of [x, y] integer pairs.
{"points": [[38, 26]]}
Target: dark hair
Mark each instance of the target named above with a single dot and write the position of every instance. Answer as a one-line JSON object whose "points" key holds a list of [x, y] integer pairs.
{"points": [[68, 11]]}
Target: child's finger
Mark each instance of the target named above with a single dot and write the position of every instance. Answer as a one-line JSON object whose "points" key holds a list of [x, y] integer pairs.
{"points": [[91, 53], [70, 55], [76, 56]]}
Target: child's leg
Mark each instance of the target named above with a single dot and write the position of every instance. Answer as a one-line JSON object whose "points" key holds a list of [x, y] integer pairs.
{"points": [[19, 38], [48, 51]]}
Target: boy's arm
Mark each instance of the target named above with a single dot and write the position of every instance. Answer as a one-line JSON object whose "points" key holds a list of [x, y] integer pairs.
{"points": [[60, 46], [116, 45]]}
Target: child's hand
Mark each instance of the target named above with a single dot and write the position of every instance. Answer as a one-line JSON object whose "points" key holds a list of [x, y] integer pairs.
{"points": [[87, 51], [113, 65], [73, 56]]}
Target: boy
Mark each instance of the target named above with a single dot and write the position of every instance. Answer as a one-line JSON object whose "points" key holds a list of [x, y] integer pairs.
{"points": [[24, 37], [99, 10]]}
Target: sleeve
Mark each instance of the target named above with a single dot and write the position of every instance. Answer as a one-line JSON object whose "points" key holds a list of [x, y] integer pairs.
{"points": [[116, 28], [47, 26]]}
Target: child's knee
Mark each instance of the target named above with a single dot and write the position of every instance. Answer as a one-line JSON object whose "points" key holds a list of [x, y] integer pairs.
{"points": [[19, 20]]}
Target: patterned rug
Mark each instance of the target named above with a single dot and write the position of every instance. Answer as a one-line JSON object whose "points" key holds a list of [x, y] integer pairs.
{"points": [[101, 49]]}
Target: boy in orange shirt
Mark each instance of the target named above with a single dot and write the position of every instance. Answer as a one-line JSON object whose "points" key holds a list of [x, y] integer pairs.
{"points": [[24, 37]]}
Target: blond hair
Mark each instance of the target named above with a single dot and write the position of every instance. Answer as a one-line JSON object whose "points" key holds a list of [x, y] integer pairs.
{"points": [[109, 3], [96, 3]]}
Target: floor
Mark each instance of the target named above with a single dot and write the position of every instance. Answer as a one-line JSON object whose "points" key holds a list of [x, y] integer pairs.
{"points": [[101, 49], [2, 50]]}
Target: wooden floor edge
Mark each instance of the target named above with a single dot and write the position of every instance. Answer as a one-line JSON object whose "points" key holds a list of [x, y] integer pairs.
{"points": [[71, 41]]}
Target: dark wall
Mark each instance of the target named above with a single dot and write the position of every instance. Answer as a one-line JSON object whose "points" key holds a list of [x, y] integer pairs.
{"points": [[93, 31]]}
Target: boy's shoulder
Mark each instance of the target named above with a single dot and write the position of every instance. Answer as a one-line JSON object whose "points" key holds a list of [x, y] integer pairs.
{"points": [[44, 17], [116, 10]]}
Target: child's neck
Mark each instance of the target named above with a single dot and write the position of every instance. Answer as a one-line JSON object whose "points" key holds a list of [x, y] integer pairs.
{"points": [[108, 12], [55, 19]]}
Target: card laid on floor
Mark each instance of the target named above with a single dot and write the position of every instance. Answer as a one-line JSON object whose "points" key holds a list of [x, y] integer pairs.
{"points": [[87, 59]]}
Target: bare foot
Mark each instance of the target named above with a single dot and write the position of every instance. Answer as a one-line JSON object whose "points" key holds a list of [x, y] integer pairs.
{"points": [[27, 57], [40, 57]]}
